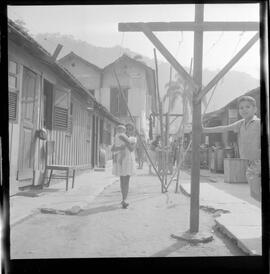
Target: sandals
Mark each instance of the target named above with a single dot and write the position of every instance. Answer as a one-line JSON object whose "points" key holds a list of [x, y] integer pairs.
{"points": [[124, 204]]}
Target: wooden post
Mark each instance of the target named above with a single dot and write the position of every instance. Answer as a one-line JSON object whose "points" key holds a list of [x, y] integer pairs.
{"points": [[160, 119], [57, 51], [190, 26], [196, 124], [166, 155]]}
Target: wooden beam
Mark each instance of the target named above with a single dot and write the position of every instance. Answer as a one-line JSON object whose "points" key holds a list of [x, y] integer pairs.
{"points": [[160, 114], [57, 51], [190, 26], [168, 56], [233, 61], [174, 115], [196, 125]]}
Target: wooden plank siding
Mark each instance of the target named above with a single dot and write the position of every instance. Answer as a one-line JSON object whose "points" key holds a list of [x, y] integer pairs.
{"points": [[73, 149]]}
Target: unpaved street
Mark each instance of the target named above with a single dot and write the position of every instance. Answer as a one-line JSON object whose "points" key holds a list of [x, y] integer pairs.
{"points": [[104, 229]]}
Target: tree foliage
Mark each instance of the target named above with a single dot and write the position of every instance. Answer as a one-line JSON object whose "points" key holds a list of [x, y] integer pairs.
{"points": [[22, 25]]}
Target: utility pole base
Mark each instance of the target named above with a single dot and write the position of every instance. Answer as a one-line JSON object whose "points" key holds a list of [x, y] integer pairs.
{"points": [[194, 238]]}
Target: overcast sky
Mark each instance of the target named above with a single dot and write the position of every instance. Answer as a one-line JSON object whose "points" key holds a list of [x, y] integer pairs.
{"points": [[98, 25]]}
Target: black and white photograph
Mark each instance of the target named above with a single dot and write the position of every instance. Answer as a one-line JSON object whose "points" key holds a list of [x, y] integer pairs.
{"points": [[134, 131]]}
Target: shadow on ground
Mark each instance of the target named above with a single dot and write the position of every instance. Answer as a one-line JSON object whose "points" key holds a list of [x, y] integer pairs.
{"points": [[99, 209], [167, 251], [36, 193]]}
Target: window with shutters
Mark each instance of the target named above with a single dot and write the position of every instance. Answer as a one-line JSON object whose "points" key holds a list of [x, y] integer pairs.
{"points": [[13, 87], [47, 104], [117, 102], [61, 109], [57, 108]]}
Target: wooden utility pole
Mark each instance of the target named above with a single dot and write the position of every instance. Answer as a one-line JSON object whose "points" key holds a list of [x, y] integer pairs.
{"points": [[160, 120], [195, 82], [196, 123]]}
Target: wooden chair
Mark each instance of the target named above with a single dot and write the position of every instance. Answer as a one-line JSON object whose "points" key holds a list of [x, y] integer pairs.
{"points": [[50, 147]]}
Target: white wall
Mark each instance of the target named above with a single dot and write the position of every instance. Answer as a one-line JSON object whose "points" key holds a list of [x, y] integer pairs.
{"points": [[130, 76], [136, 101], [105, 97], [87, 75]]}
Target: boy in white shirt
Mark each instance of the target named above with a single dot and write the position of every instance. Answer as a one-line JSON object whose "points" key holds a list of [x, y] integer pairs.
{"points": [[249, 137]]}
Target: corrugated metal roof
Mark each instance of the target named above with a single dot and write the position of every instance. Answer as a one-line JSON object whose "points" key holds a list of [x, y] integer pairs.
{"points": [[216, 113]]}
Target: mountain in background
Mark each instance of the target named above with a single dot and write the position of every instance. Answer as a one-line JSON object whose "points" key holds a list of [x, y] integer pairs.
{"points": [[234, 83]]}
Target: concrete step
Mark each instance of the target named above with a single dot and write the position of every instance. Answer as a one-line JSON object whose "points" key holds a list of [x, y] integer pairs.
{"points": [[245, 229], [241, 221]]}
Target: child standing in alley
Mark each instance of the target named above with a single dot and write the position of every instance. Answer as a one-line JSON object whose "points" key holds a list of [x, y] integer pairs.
{"points": [[249, 136]]}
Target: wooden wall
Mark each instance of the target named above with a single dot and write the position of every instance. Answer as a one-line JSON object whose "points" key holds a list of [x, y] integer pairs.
{"points": [[74, 148]]}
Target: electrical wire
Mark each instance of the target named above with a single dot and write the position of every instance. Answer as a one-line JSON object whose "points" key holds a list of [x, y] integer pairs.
{"points": [[177, 52], [214, 43], [221, 81], [241, 35]]}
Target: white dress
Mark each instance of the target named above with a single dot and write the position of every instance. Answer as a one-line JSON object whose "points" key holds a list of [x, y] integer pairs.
{"points": [[118, 142], [127, 166]]}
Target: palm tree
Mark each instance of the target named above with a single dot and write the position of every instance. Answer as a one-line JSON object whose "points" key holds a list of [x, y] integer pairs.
{"points": [[178, 89]]}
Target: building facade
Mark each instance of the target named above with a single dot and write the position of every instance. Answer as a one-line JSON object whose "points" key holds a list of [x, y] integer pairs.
{"points": [[137, 82], [43, 95]]}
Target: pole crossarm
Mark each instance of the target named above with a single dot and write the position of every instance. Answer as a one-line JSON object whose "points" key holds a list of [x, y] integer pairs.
{"points": [[231, 63], [190, 26], [168, 56], [171, 115]]}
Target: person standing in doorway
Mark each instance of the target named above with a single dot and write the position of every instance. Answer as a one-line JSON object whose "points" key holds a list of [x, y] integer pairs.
{"points": [[125, 169]]}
